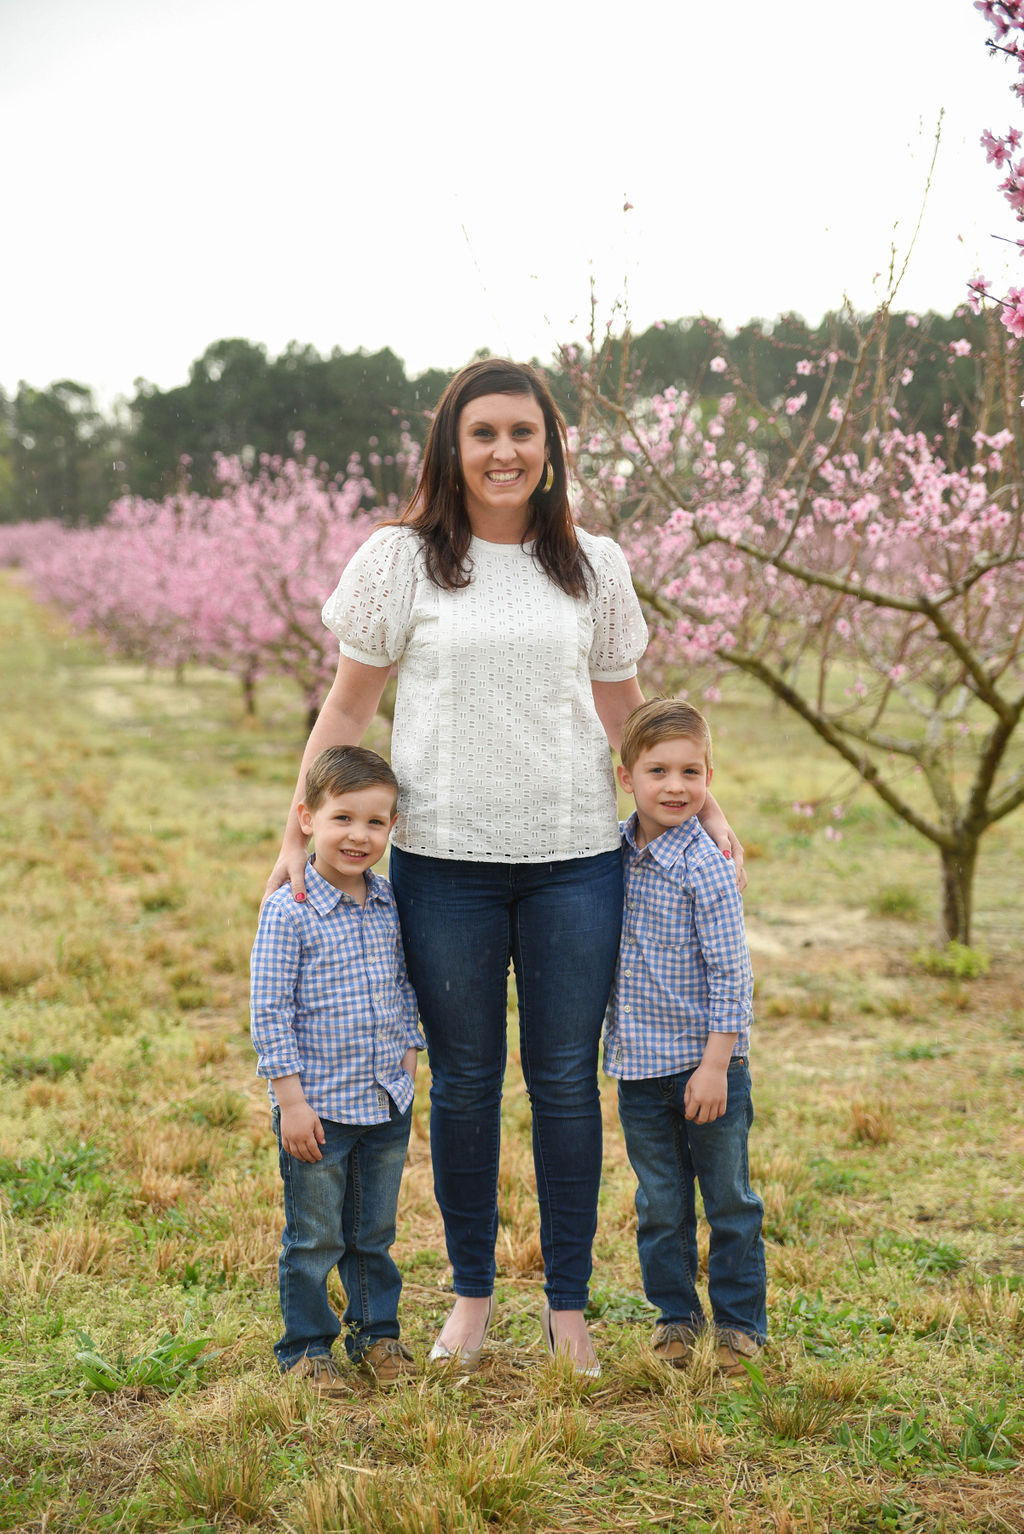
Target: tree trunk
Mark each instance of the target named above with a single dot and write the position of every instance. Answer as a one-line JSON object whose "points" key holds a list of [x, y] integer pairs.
{"points": [[249, 692], [958, 891]]}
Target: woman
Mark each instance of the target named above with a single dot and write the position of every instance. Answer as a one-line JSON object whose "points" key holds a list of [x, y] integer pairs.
{"points": [[516, 637]]}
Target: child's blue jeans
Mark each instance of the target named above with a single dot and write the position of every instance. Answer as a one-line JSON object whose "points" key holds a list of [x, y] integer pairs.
{"points": [[670, 1154], [341, 1211]]}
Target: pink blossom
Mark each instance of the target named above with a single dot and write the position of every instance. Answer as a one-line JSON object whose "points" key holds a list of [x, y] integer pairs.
{"points": [[907, 376], [996, 149], [795, 402], [1012, 312], [804, 368], [718, 364], [961, 348], [913, 321]]}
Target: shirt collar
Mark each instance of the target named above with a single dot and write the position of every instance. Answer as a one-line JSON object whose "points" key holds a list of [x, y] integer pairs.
{"points": [[669, 848], [325, 897]]}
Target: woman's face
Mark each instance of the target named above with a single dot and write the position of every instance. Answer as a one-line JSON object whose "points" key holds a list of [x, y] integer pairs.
{"points": [[502, 455]]}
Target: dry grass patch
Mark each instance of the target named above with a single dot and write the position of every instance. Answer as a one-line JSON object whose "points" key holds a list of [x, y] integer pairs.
{"points": [[873, 1123], [228, 1480]]}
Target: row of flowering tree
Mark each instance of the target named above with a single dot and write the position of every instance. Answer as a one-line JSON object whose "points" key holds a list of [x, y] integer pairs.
{"points": [[234, 580]]}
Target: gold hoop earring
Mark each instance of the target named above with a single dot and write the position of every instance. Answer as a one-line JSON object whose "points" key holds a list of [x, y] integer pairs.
{"points": [[549, 478]]}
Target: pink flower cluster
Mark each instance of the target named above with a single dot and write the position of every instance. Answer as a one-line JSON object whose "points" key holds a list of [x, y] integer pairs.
{"points": [[839, 555], [234, 580]]}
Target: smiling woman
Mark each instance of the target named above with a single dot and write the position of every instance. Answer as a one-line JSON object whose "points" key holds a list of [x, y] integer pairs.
{"points": [[504, 457], [516, 636]]}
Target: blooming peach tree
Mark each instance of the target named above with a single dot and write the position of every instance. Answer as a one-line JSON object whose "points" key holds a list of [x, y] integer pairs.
{"points": [[870, 577]]}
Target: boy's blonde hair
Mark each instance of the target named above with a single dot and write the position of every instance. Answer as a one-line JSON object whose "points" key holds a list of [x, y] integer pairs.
{"points": [[345, 770], [662, 719]]}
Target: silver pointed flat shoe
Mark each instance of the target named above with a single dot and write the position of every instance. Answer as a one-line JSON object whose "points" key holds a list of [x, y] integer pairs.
{"points": [[466, 1359], [591, 1371]]}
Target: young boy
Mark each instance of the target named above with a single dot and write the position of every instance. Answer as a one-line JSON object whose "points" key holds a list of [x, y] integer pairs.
{"points": [[676, 1037], [334, 1023]]}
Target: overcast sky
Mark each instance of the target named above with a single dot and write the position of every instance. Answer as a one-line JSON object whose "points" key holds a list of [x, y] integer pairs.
{"points": [[437, 178]]}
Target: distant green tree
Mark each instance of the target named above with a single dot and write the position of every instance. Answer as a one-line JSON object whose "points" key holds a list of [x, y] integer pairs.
{"points": [[224, 408], [238, 400], [64, 458]]}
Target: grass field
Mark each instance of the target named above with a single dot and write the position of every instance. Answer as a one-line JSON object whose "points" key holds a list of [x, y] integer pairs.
{"points": [[139, 1195]]}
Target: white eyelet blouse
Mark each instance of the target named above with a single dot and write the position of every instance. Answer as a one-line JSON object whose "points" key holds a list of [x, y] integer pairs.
{"points": [[496, 744]]}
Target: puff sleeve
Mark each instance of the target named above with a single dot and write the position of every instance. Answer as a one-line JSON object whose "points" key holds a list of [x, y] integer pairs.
{"points": [[370, 609], [620, 633]]}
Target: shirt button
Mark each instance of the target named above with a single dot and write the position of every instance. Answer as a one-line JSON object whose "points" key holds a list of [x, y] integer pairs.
{"points": [[627, 973]]}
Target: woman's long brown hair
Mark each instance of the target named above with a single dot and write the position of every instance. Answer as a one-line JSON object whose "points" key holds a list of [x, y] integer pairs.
{"points": [[437, 510]]}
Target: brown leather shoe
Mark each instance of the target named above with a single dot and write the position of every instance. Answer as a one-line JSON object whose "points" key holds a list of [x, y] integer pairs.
{"points": [[673, 1343], [321, 1372], [389, 1361], [732, 1347]]}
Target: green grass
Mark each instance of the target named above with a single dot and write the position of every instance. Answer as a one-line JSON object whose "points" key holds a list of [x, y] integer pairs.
{"points": [[140, 1207]]}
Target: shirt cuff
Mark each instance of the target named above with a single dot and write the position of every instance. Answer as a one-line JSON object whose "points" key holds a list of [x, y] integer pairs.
{"points": [[614, 676], [273, 1070], [361, 656]]}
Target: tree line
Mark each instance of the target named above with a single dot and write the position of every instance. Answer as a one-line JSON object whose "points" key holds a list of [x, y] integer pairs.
{"points": [[63, 457]]}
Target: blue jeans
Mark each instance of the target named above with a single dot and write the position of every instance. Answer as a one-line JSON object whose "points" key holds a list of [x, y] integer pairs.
{"points": [[558, 924], [341, 1210], [669, 1154]]}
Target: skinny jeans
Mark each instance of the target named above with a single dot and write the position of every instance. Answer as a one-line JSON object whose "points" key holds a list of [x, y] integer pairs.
{"points": [[558, 924]]}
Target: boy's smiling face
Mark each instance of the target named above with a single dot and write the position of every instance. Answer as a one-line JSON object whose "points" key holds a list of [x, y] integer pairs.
{"points": [[350, 832], [669, 782]]}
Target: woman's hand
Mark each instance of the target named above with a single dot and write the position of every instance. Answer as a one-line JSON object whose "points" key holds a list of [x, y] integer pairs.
{"points": [[724, 837], [290, 868], [735, 851]]}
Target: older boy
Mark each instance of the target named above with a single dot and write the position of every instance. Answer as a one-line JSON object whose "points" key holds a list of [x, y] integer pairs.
{"points": [[676, 1037], [334, 1023]]}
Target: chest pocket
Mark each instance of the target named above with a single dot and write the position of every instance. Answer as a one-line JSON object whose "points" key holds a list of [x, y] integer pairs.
{"points": [[663, 912]]}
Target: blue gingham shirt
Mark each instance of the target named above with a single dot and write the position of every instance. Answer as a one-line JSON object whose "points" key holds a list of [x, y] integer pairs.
{"points": [[684, 966], [331, 1000]]}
